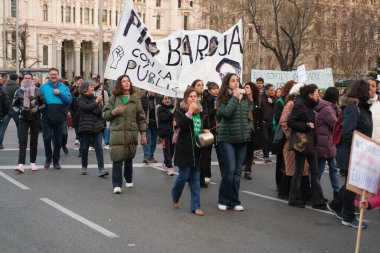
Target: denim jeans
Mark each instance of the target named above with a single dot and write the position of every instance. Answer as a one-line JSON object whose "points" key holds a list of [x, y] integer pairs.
{"points": [[295, 195], [96, 140], [65, 135], [52, 132], [4, 125], [106, 137], [151, 137], [333, 171], [117, 169], [25, 126], [233, 155]]}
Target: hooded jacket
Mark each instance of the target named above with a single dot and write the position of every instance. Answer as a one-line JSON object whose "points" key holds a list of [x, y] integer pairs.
{"points": [[325, 121], [356, 116]]}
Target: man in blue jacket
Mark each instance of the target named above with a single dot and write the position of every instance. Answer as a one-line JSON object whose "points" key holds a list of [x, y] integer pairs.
{"points": [[58, 98]]}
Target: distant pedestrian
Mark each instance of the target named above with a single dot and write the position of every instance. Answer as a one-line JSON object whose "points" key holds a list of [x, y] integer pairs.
{"points": [[28, 102], [126, 115], [267, 105], [58, 98], [4, 108]]}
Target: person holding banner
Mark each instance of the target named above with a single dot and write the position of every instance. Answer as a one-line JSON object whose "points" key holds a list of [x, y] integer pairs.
{"points": [[187, 154], [356, 116], [233, 136], [303, 139], [126, 115]]}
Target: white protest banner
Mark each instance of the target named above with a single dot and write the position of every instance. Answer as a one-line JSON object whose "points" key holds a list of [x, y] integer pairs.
{"points": [[378, 78], [321, 77], [169, 65], [301, 74], [364, 167]]}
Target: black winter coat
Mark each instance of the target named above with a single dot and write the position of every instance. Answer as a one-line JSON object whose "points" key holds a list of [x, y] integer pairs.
{"points": [[356, 116], [4, 104], [184, 149], [36, 105], [145, 104], [165, 121], [90, 114], [267, 108], [209, 112], [301, 114], [10, 88]]}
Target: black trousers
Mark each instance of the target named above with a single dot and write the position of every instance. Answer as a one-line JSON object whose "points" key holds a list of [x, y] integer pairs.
{"points": [[205, 163], [295, 195], [249, 157], [168, 150], [280, 168], [345, 201], [267, 138], [24, 126]]}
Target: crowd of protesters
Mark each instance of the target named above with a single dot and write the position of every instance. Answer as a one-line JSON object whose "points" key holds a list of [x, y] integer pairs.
{"points": [[295, 122]]}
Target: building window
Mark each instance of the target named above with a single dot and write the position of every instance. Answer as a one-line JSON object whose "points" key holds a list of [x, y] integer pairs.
{"points": [[67, 14], [158, 22], [92, 16], [158, 3], [86, 16], [45, 55], [179, 3], [45, 12], [13, 45], [143, 17], [109, 17], [74, 15], [81, 15], [185, 22], [104, 17], [191, 3], [62, 12], [13, 8], [250, 33], [117, 17]]}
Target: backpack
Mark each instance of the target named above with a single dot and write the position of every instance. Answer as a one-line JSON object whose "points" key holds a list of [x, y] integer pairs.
{"points": [[337, 131]]}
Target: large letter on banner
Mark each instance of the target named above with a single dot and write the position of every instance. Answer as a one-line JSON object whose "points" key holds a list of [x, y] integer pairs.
{"points": [[169, 65]]}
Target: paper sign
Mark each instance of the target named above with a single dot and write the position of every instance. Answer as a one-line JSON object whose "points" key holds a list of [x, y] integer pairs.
{"points": [[364, 166], [301, 74], [378, 77], [321, 77], [169, 65]]}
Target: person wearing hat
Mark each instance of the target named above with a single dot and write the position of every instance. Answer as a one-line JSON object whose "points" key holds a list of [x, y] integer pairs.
{"points": [[10, 88], [90, 127]]}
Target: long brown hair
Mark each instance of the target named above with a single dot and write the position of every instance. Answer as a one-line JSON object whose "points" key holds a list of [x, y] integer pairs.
{"points": [[223, 92], [118, 90], [285, 90]]}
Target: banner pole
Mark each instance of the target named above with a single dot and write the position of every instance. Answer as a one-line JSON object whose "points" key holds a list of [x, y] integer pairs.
{"points": [[359, 237]]}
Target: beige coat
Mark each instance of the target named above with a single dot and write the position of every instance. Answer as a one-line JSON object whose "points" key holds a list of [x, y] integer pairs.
{"points": [[289, 157]]}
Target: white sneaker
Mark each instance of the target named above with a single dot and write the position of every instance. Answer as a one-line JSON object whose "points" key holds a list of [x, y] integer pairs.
{"points": [[33, 167], [117, 190], [222, 207], [170, 172], [106, 147], [20, 168], [129, 185], [239, 208], [207, 180], [91, 149]]}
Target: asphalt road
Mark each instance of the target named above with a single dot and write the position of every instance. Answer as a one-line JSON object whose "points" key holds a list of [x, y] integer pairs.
{"points": [[63, 211]]}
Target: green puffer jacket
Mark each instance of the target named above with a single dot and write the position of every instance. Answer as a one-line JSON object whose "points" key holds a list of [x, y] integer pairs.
{"points": [[124, 128], [233, 118]]}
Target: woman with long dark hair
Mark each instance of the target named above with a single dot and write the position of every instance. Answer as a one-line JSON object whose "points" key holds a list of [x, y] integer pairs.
{"points": [[302, 120], [126, 115], [233, 135], [253, 95], [356, 116]]}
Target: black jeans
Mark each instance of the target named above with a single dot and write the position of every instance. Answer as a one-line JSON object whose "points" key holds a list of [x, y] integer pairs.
{"points": [[205, 163], [345, 201], [267, 138], [117, 169], [24, 126], [295, 195], [52, 132], [248, 161], [96, 140], [168, 150], [65, 135], [280, 168]]}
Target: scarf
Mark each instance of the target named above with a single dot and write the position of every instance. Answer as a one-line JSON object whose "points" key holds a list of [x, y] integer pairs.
{"points": [[185, 106], [28, 87]]}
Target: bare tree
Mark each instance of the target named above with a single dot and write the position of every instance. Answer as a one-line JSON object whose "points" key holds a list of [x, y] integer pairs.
{"points": [[22, 46], [353, 42], [283, 26]]}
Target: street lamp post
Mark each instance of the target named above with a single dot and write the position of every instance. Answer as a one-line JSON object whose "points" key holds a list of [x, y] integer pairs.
{"points": [[4, 39], [17, 40], [258, 31], [100, 51]]}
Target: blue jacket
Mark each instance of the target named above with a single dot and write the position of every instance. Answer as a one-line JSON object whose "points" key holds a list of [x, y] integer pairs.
{"points": [[56, 105]]}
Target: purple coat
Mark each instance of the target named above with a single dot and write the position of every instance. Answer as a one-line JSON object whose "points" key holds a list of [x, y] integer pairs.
{"points": [[325, 121]]}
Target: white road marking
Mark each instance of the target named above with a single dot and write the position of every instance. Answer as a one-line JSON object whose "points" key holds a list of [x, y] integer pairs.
{"points": [[13, 181], [80, 218]]}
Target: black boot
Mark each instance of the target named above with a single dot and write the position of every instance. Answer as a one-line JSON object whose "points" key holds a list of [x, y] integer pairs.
{"points": [[247, 175]]}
